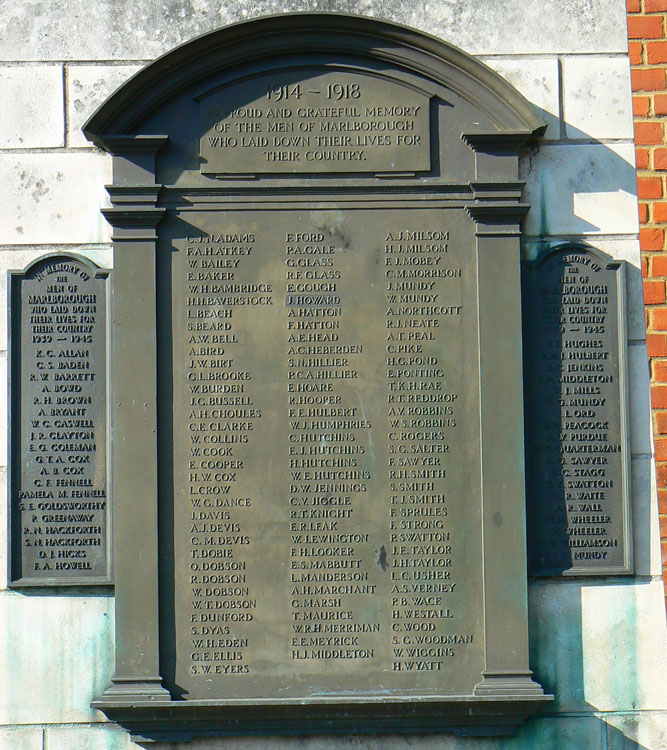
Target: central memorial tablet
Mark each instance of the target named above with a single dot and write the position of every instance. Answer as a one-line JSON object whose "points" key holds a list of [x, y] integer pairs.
{"points": [[326, 527], [317, 386]]}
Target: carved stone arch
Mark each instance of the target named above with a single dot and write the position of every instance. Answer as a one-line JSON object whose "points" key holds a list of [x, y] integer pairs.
{"points": [[458, 173], [307, 33]]}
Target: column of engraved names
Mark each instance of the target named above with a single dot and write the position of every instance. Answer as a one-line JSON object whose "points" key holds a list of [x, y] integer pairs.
{"points": [[420, 419], [328, 551], [576, 309], [222, 428], [62, 494]]}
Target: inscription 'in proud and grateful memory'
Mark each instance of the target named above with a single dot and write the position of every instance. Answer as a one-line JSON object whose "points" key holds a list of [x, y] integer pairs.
{"points": [[315, 122]]}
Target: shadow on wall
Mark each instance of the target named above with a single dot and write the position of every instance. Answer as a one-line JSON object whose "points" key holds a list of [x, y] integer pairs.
{"points": [[580, 187], [598, 644], [537, 735], [591, 646]]}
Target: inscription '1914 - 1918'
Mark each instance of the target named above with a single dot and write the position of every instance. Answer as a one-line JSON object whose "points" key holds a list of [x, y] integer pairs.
{"points": [[312, 121]]}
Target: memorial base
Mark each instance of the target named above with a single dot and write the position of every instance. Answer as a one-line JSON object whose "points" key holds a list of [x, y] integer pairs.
{"points": [[131, 690], [182, 721], [508, 682]]}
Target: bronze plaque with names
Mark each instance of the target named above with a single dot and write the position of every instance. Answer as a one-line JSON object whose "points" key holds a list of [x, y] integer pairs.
{"points": [[577, 448], [325, 534], [60, 519]]}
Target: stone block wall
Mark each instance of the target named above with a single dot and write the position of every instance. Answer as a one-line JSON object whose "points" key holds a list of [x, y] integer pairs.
{"points": [[598, 644]]}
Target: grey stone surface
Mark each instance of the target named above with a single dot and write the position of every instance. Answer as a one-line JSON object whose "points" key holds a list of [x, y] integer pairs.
{"points": [[580, 190], [360, 742], [53, 197], [640, 404], [21, 738], [144, 29], [628, 731], [637, 731], [87, 87], [623, 643], [596, 645], [88, 737], [102, 256], [646, 524], [537, 79], [33, 114], [563, 733], [645, 527], [595, 100], [57, 657], [555, 636]]}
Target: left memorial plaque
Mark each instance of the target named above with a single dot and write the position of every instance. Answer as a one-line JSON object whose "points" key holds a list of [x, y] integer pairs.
{"points": [[58, 336]]}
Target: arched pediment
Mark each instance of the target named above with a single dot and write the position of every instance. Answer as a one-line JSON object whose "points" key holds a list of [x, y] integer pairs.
{"points": [[269, 41]]}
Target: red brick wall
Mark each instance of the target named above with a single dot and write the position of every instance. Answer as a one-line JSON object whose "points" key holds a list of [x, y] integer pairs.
{"points": [[647, 27]]}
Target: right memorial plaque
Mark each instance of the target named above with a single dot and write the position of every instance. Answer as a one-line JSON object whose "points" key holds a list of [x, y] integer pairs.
{"points": [[577, 453]]}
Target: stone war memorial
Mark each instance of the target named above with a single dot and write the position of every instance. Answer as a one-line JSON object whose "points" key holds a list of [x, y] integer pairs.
{"points": [[328, 416]]}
